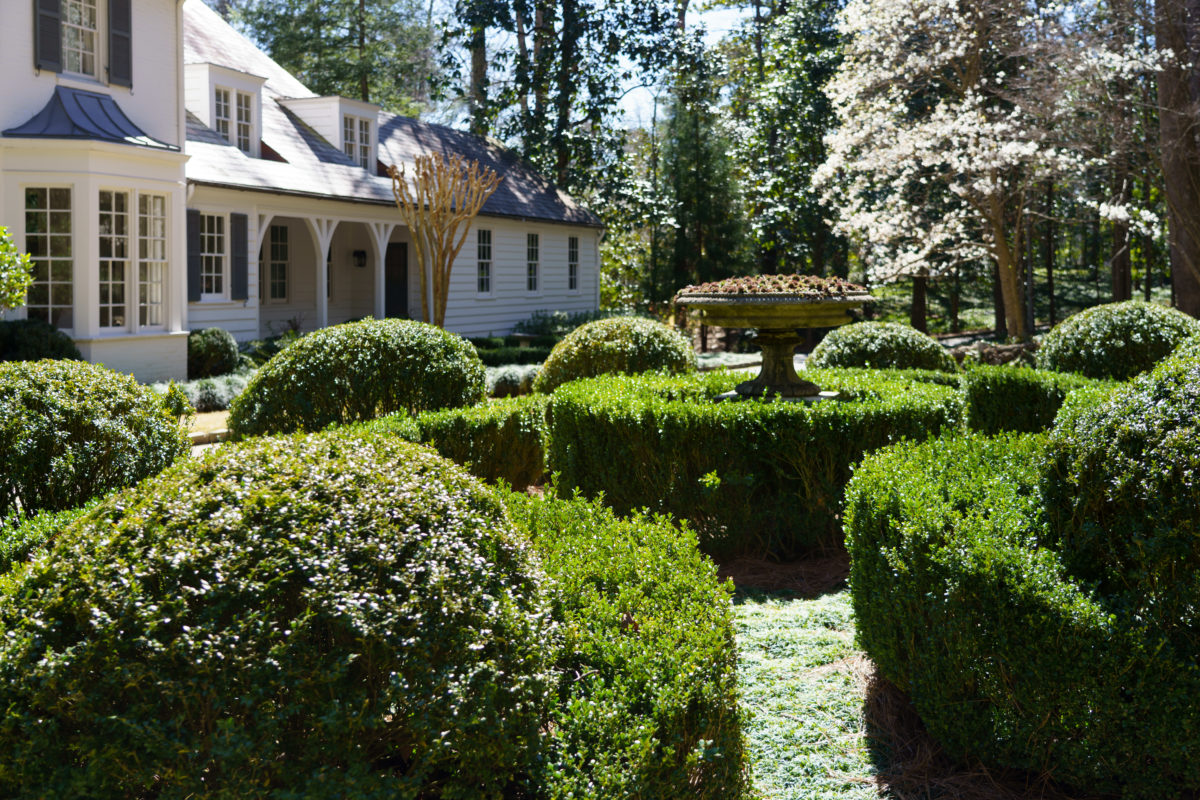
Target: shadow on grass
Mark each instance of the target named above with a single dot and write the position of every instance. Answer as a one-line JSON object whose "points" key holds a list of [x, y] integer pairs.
{"points": [[910, 765], [806, 578]]}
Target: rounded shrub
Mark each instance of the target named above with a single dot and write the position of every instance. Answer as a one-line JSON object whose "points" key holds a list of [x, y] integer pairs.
{"points": [[211, 351], [1115, 341], [321, 616], [359, 371], [1036, 597], [620, 344], [34, 340], [881, 345], [70, 431]]}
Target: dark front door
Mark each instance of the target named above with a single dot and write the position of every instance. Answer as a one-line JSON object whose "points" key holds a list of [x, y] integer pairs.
{"points": [[395, 280]]}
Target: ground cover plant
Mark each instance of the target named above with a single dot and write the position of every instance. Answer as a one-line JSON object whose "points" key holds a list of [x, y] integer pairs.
{"points": [[619, 344], [1032, 595], [321, 616], [1115, 341], [71, 431], [881, 345], [753, 477], [358, 371], [646, 702]]}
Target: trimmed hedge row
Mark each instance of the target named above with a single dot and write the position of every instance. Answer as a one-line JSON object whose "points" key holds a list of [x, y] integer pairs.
{"points": [[500, 356], [647, 700], [327, 616], [498, 440], [1018, 399], [752, 477], [21, 538]]}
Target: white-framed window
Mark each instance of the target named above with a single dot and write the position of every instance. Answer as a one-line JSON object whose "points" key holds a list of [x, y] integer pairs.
{"points": [[213, 256], [356, 139], [277, 264], [114, 258], [152, 258], [573, 263], [245, 123], [49, 242], [483, 262], [532, 262], [221, 112], [80, 36]]}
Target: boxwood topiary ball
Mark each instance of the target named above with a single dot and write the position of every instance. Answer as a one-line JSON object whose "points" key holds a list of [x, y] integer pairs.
{"points": [[359, 371], [33, 340], [211, 352], [1116, 341], [620, 344], [70, 431], [880, 345], [324, 616]]}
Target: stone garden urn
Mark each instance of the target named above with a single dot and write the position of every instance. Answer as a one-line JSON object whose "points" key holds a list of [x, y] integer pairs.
{"points": [[777, 306]]}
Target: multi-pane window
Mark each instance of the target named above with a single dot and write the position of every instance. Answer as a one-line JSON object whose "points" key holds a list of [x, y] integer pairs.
{"points": [[114, 257], [483, 269], [277, 265], [48, 240], [356, 139], [221, 112], [245, 122], [212, 255], [152, 258], [79, 35], [573, 263], [532, 261]]}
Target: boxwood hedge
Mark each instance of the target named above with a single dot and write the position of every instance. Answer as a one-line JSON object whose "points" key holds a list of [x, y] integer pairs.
{"points": [[1035, 596], [1019, 399], [327, 616], [617, 344], [647, 700], [1116, 341], [34, 340], [358, 371], [882, 345], [71, 431], [753, 477]]}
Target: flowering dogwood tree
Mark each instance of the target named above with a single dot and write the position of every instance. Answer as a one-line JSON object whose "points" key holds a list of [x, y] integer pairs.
{"points": [[952, 113]]}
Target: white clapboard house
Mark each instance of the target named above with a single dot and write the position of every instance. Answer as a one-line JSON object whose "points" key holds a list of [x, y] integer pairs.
{"points": [[165, 175]]}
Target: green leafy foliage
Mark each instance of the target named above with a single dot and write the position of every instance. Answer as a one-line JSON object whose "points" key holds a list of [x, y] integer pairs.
{"points": [[496, 441], [326, 616], [647, 700], [970, 604], [1018, 399], [71, 431], [211, 352], [1115, 341], [33, 340], [882, 345], [358, 371], [508, 354], [16, 272], [1122, 496], [619, 344], [23, 537], [753, 477]]}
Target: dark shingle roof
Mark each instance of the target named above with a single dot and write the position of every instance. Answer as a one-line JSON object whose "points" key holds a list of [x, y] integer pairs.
{"points": [[312, 166], [78, 114]]}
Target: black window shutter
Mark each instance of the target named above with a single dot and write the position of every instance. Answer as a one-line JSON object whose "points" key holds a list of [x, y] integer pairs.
{"points": [[238, 279], [47, 35], [193, 255], [120, 43]]}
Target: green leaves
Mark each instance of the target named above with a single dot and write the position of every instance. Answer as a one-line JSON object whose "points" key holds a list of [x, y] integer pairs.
{"points": [[881, 345], [1115, 341], [16, 272], [619, 344]]}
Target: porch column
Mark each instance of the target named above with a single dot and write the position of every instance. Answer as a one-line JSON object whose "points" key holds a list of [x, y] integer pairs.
{"points": [[322, 234], [380, 233]]}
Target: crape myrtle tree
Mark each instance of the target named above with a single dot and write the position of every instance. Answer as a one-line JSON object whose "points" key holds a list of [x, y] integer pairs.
{"points": [[952, 113]]}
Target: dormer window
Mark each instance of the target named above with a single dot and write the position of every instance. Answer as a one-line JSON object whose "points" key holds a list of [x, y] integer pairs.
{"points": [[79, 36], [243, 126], [221, 112], [228, 101], [245, 123], [356, 139]]}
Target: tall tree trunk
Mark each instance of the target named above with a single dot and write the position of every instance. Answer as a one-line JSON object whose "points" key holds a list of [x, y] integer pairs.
{"points": [[364, 88], [918, 314], [1048, 250], [1007, 257], [1120, 260], [566, 86], [477, 96], [1000, 321], [1177, 28]]}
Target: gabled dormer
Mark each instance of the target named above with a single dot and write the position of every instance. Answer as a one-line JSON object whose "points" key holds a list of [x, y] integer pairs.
{"points": [[350, 125], [229, 101]]}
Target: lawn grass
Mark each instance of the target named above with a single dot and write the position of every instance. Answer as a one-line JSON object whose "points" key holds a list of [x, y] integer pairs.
{"points": [[802, 681]]}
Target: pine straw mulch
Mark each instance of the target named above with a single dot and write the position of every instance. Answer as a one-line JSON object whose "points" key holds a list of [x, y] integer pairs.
{"points": [[916, 768]]}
